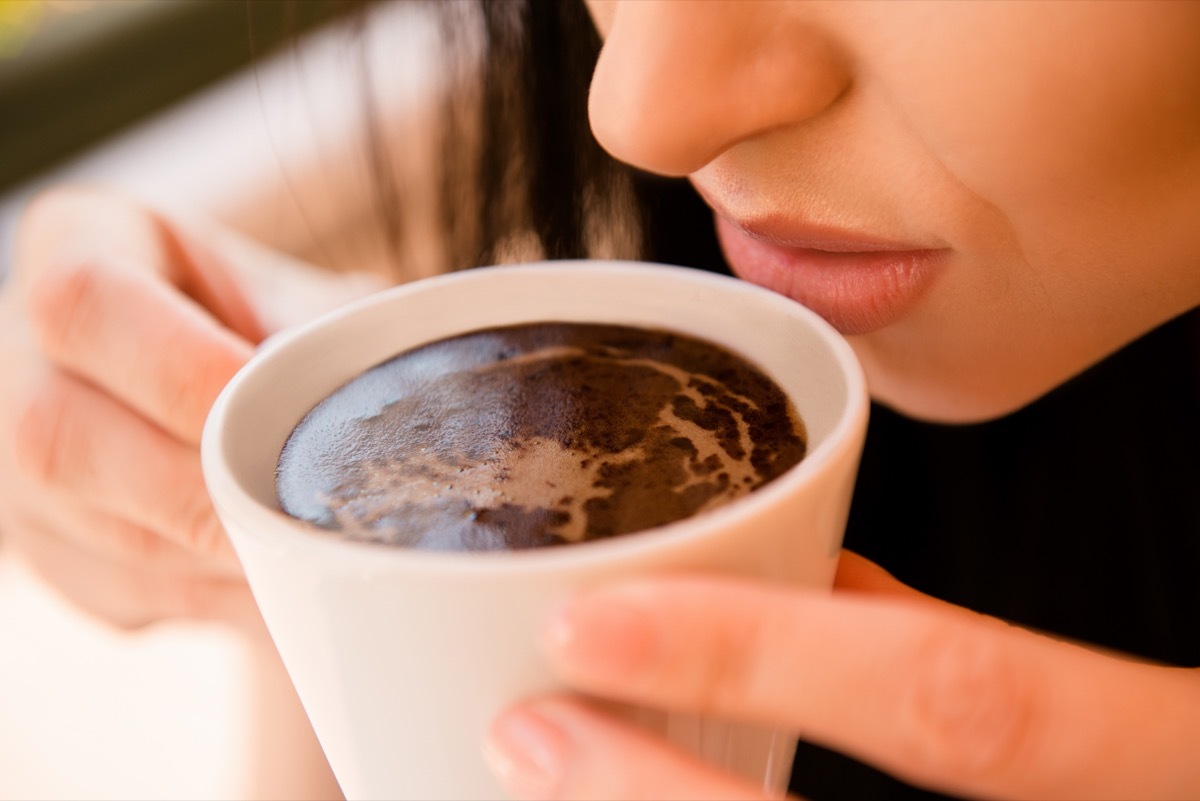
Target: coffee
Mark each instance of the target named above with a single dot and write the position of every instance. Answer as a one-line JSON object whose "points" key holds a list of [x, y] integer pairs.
{"points": [[537, 434]]}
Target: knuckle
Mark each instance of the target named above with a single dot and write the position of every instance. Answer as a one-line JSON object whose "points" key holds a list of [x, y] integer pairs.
{"points": [[114, 599], [202, 531], [727, 680], [61, 302], [156, 590], [970, 707], [129, 621], [135, 606], [186, 395], [215, 373], [170, 395], [41, 435], [142, 546], [196, 599]]}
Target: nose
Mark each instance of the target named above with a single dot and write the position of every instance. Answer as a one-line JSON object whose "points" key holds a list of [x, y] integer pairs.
{"points": [[679, 81]]}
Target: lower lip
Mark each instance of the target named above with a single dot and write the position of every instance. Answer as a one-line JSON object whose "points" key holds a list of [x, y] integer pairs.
{"points": [[857, 292]]}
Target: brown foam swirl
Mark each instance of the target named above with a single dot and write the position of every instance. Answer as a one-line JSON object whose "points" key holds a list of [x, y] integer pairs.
{"points": [[538, 434]]}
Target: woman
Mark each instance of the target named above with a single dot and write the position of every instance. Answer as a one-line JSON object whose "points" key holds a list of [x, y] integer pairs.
{"points": [[995, 202]]}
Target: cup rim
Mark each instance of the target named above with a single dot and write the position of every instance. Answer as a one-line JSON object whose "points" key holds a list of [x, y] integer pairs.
{"points": [[276, 528]]}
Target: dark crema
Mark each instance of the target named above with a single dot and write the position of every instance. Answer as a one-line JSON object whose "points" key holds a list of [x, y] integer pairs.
{"points": [[538, 434]]}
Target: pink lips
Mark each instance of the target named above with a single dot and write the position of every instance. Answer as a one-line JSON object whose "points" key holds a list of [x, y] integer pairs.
{"points": [[857, 283]]}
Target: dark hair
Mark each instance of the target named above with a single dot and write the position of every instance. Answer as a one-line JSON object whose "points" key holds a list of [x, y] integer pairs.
{"points": [[523, 175]]}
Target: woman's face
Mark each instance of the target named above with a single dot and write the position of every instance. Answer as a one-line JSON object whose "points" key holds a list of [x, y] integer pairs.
{"points": [[986, 197]]}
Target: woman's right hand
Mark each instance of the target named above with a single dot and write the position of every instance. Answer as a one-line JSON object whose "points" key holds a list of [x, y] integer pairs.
{"points": [[118, 328]]}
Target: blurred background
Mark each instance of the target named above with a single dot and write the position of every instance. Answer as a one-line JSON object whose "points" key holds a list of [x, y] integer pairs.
{"points": [[78, 70], [250, 111]]}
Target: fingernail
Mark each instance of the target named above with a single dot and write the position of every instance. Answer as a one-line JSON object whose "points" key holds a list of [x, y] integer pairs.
{"points": [[606, 636], [528, 753]]}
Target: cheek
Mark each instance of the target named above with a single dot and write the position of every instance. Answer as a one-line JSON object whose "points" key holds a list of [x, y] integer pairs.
{"points": [[1077, 128], [1038, 106]]}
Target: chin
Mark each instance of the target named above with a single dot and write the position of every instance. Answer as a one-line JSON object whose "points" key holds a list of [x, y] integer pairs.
{"points": [[949, 407], [952, 400]]}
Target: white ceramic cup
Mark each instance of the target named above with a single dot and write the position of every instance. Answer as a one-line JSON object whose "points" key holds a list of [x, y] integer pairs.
{"points": [[401, 657]]}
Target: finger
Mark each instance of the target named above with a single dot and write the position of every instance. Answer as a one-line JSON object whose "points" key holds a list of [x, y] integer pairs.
{"points": [[74, 223], [857, 574], [138, 338], [129, 595], [559, 748], [109, 537], [203, 259], [961, 703], [79, 442]]}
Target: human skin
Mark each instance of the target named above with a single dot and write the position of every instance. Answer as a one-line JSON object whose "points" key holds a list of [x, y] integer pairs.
{"points": [[101, 485], [118, 327], [987, 198], [1051, 149], [911, 163]]}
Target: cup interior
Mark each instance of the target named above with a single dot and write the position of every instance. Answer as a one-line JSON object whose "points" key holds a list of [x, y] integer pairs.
{"points": [[297, 369]]}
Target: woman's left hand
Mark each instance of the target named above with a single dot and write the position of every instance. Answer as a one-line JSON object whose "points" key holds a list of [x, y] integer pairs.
{"points": [[932, 693]]}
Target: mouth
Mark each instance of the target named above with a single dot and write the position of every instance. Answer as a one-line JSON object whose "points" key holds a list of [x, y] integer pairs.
{"points": [[858, 283]]}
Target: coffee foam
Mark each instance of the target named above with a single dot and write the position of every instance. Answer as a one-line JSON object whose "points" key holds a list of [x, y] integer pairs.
{"points": [[535, 435]]}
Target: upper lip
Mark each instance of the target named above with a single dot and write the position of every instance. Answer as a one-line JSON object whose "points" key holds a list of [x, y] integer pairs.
{"points": [[808, 235], [828, 238]]}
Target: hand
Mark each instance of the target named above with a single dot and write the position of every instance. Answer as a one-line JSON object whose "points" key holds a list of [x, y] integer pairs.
{"points": [[118, 328], [932, 693]]}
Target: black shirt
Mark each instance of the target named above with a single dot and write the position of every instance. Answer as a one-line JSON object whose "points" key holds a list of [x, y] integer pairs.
{"points": [[1077, 515]]}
